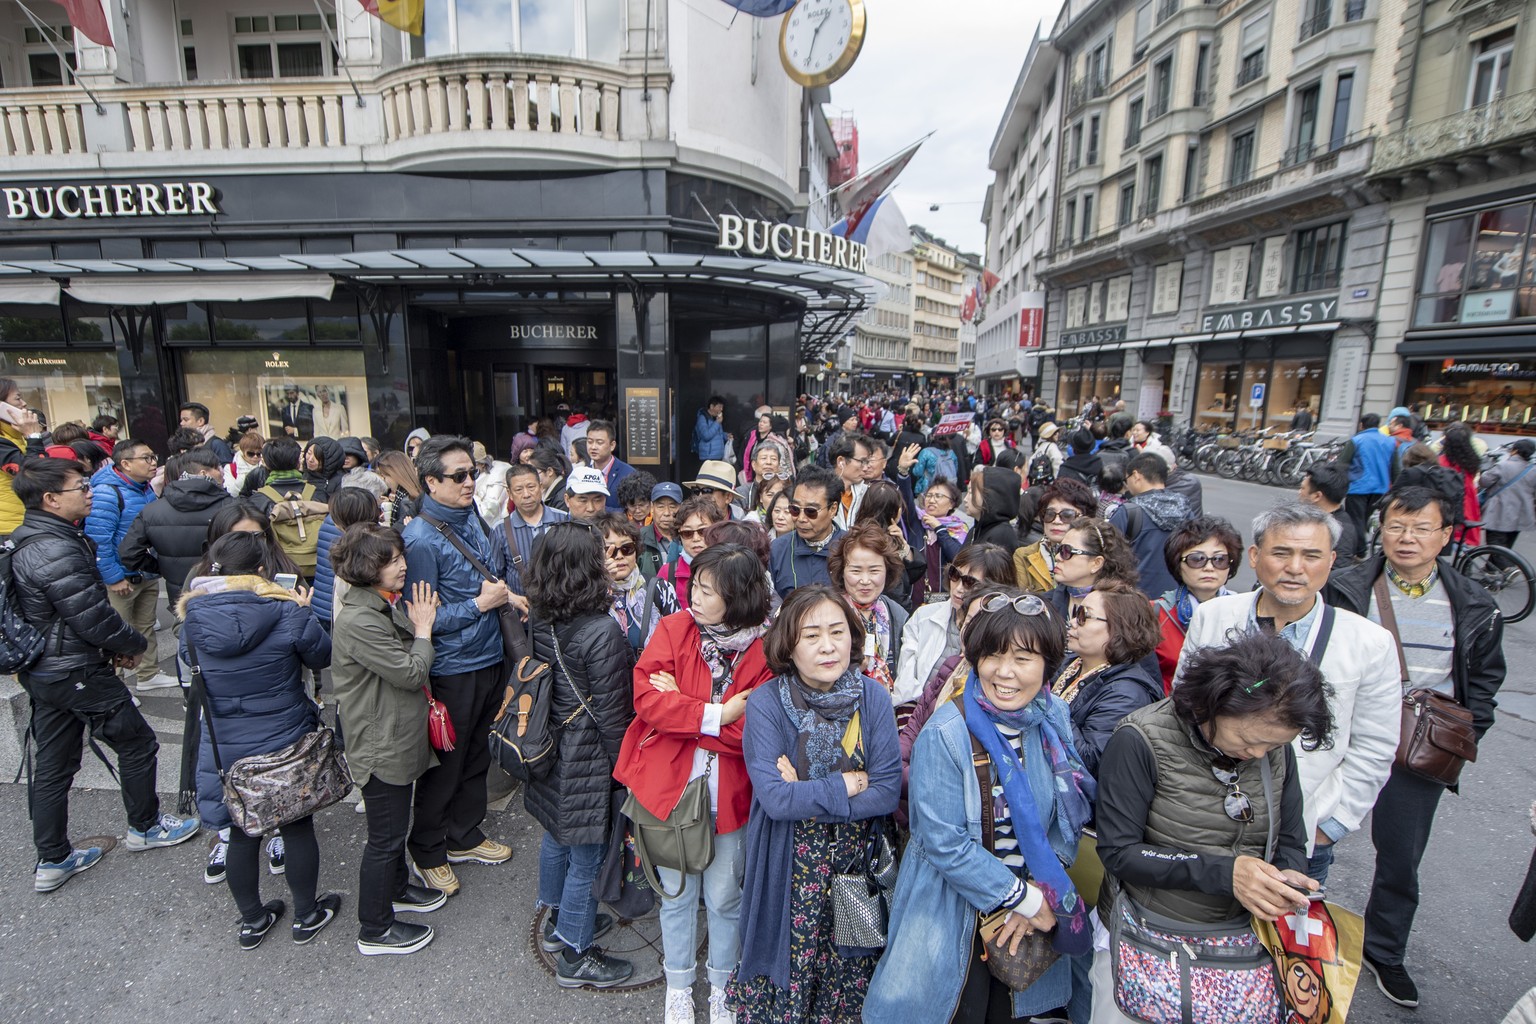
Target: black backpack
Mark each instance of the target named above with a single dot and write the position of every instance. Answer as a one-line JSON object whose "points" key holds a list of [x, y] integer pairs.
{"points": [[1040, 474], [21, 643]]}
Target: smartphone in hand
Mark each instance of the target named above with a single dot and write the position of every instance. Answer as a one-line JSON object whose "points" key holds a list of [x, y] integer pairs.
{"points": [[287, 580]]}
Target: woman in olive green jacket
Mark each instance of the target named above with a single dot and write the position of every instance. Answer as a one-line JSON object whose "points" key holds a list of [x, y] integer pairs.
{"points": [[381, 657]]}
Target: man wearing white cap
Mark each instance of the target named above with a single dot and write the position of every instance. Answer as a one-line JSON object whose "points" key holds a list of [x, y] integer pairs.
{"points": [[717, 478], [586, 495]]}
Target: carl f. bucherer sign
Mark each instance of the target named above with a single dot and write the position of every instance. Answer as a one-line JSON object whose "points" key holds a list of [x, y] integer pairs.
{"points": [[129, 199]]}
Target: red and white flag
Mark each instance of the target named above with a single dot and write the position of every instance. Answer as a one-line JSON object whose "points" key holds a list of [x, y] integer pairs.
{"points": [[858, 194], [89, 20]]}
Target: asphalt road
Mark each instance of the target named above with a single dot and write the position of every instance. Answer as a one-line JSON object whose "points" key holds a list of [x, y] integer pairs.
{"points": [[141, 937]]}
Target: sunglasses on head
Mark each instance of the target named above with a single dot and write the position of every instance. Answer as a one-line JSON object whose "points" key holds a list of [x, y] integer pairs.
{"points": [[1024, 604], [1064, 515], [1066, 552], [1199, 560], [962, 579], [620, 550], [806, 511], [1236, 802], [461, 476]]}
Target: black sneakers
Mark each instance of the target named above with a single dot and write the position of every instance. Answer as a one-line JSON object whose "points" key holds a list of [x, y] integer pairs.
{"points": [[307, 928], [1394, 982], [418, 899], [401, 938], [592, 969], [252, 934], [601, 925]]}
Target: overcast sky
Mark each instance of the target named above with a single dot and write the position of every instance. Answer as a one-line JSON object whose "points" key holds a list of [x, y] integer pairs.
{"points": [[945, 67]]}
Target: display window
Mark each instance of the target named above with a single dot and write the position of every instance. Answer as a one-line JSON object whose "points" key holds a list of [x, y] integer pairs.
{"points": [[1478, 268], [1294, 384], [66, 385], [1493, 395], [304, 393], [1216, 394], [1069, 393]]}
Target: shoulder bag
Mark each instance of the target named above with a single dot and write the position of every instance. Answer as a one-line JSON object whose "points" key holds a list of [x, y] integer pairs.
{"points": [[1036, 953], [264, 792], [1166, 971], [514, 638], [1437, 738], [861, 896]]}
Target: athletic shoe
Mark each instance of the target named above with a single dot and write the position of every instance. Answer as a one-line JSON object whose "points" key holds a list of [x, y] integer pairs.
{"points": [[307, 928], [592, 969], [488, 852], [252, 934], [1394, 982], [52, 874], [679, 1006], [213, 874], [362, 808], [441, 878], [159, 681], [168, 831], [719, 1011], [601, 925], [276, 855], [419, 900], [401, 938]]}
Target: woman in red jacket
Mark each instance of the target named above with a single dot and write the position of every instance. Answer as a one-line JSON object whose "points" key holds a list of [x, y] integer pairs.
{"points": [[1203, 556], [691, 688]]}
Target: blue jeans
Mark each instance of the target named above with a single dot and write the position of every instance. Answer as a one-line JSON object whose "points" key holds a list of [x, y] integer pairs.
{"points": [[1319, 863], [721, 883], [566, 876]]}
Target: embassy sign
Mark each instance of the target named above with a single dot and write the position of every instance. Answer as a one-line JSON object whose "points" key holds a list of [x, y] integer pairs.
{"points": [[1273, 314], [131, 199], [1092, 336], [747, 236]]}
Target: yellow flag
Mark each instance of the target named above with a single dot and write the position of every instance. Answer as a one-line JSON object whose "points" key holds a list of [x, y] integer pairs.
{"points": [[405, 15]]}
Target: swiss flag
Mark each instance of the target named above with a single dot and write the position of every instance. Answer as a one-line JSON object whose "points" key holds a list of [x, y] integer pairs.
{"points": [[1312, 935], [89, 20]]}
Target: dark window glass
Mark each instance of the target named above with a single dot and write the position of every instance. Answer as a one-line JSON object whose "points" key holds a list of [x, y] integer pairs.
{"points": [[1319, 258], [282, 320], [255, 61]]}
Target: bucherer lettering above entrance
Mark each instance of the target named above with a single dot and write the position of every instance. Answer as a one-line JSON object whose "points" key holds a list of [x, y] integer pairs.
{"points": [[135, 199], [747, 236], [522, 332]]}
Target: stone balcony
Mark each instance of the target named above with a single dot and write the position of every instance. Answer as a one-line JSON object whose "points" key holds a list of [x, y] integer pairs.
{"points": [[421, 111], [1504, 129]]}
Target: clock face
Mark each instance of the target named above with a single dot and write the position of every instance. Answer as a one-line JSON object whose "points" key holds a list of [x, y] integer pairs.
{"points": [[820, 39]]}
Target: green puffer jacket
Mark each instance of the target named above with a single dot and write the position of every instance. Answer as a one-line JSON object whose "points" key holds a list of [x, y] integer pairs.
{"points": [[379, 671]]}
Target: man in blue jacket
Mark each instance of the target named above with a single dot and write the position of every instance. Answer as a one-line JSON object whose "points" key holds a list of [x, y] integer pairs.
{"points": [[122, 490], [800, 558], [467, 669], [1369, 457], [708, 433]]}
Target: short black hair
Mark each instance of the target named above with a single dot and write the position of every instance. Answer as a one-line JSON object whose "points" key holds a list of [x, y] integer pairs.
{"points": [[103, 422], [1252, 675], [737, 575], [353, 505], [546, 457], [280, 454], [429, 457], [1010, 458], [714, 400], [184, 440], [125, 450], [609, 521], [820, 478], [1194, 532], [524, 469], [606, 426], [842, 447], [1329, 479], [784, 635], [197, 409], [565, 578], [1152, 467], [199, 458], [1370, 421], [994, 561], [635, 488], [1417, 499], [38, 477], [363, 550], [989, 633]]}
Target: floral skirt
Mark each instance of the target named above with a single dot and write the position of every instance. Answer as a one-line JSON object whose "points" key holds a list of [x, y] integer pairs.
{"points": [[824, 987]]}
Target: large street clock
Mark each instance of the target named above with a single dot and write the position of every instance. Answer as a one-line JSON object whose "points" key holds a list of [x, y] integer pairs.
{"points": [[820, 39]]}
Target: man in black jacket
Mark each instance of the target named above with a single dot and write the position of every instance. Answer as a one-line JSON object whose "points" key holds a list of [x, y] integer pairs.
{"points": [[1451, 635], [171, 541], [75, 684]]}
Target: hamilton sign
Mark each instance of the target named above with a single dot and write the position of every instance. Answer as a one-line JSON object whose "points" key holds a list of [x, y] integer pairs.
{"points": [[747, 236], [130, 199]]}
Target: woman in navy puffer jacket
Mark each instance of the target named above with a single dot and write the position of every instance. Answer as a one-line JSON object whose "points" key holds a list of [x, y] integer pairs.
{"points": [[349, 505], [251, 639]]}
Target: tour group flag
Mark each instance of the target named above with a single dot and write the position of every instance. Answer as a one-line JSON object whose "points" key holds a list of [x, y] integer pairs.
{"points": [[761, 8], [89, 20], [858, 195], [882, 230], [402, 14]]}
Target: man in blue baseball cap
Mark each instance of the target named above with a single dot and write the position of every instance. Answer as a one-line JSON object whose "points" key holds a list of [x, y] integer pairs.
{"points": [[658, 541]]}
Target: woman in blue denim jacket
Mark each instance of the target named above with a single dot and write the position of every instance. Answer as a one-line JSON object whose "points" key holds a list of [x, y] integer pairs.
{"points": [[932, 969]]}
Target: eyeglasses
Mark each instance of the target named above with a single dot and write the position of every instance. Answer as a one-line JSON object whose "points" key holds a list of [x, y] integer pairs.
{"points": [[783, 474], [1066, 552], [84, 485], [1235, 803], [1417, 532], [151, 458], [806, 511], [622, 550], [1199, 560], [1024, 604], [461, 476], [687, 534], [962, 579], [1082, 618], [1061, 515]]}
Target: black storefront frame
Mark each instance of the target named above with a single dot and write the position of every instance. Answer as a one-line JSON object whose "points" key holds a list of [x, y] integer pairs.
{"points": [[1264, 350]]}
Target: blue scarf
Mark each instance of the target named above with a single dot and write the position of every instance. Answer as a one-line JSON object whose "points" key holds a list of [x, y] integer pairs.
{"points": [[1184, 604], [821, 720], [1045, 721]]}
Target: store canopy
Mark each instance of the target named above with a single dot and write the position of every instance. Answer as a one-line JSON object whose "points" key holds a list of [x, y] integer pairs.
{"points": [[30, 291], [164, 289]]}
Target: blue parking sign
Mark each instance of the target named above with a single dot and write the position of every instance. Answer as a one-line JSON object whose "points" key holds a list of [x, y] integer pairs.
{"points": [[1256, 396]]}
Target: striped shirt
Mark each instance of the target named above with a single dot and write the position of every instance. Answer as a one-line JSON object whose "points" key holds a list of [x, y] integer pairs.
{"points": [[1427, 627]]}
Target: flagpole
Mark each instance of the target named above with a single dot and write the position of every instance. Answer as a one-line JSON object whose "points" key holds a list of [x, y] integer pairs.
{"points": [[881, 165], [64, 68], [335, 45]]}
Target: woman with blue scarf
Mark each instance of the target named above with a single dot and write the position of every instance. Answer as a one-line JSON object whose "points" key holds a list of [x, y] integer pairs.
{"points": [[822, 753], [1203, 556], [1040, 798]]}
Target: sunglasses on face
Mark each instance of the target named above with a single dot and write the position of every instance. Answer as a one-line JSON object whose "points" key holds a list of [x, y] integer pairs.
{"points": [[1082, 618], [1235, 803], [1066, 552], [806, 511], [1062, 515], [624, 550], [696, 491], [687, 534], [461, 476], [962, 579], [1199, 560]]}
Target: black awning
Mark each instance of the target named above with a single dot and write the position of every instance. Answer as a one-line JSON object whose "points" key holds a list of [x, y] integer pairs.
{"points": [[1463, 345]]}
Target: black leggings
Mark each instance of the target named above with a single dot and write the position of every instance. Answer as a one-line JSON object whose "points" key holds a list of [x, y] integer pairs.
{"points": [[983, 999], [302, 860]]}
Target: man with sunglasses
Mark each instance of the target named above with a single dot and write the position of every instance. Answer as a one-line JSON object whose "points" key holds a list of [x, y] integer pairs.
{"points": [[467, 666], [1292, 554], [1452, 639], [74, 684], [1148, 516], [800, 558]]}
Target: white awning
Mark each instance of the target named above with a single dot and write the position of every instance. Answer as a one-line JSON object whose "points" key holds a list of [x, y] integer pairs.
{"points": [[31, 291], [164, 289]]}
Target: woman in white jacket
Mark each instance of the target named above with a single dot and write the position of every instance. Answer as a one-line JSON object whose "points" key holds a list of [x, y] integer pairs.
{"points": [[932, 632], [247, 458]]}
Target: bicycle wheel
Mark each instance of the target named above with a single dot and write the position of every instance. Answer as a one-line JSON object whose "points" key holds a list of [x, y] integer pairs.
{"points": [[1506, 576], [1229, 463], [1288, 471]]}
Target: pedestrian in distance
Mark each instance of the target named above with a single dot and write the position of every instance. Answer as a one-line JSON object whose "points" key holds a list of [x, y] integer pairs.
{"points": [[1508, 495], [1326, 485], [167, 537], [708, 433], [1148, 516], [381, 665], [1370, 456], [74, 686], [251, 638]]}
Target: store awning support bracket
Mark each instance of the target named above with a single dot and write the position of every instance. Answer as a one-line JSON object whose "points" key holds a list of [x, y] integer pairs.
{"points": [[641, 299], [382, 305], [134, 322]]}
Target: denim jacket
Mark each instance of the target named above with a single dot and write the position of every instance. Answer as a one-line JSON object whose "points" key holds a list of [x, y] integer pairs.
{"points": [[464, 638]]}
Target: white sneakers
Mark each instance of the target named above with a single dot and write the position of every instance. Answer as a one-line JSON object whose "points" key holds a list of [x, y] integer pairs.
{"points": [[680, 1007], [719, 1012], [159, 681]]}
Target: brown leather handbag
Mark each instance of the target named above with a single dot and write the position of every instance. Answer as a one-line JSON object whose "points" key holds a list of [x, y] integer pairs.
{"points": [[1437, 737], [1036, 954]]}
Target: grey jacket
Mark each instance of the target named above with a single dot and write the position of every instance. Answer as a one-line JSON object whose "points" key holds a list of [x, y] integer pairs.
{"points": [[380, 672], [1512, 507]]}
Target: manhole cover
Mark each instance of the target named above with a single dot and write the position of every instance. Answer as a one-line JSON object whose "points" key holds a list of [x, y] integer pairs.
{"points": [[637, 941], [107, 844]]}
